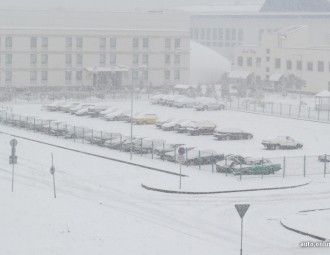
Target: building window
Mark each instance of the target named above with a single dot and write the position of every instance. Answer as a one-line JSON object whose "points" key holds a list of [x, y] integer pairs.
{"points": [[177, 75], [258, 62], [177, 59], [79, 43], [102, 60], [79, 60], [289, 64], [8, 76], [145, 75], [267, 59], [220, 34], [233, 34], [68, 43], [44, 59], [167, 59], [249, 61], [113, 59], [196, 34], [44, 76], [113, 42], [310, 66], [145, 43], [320, 66], [208, 34], [44, 43], [202, 33], [9, 42], [167, 75], [240, 61], [240, 34], [299, 65], [135, 59], [79, 76], [103, 43], [33, 77], [135, 43], [33, 59], [33, 42], [9, 59], [145, 59], [177, 43], [267, 51], [68, 59], [135, 75], [215, 34], [68, 76], [267, 69], [277, 63], [227, 34]]}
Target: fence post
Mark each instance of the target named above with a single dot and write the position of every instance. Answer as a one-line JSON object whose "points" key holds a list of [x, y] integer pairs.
{"points": [[74, 133], [262, 166], [299, 111], [305, 166], [284, 167], [272, 109], [240, 171], [92, 140], [290, 110], [83, 135], [325, 165], [163, 154], [212, 164], [318, 114], [34, 124], [199, 160], [49, 128], [152, 149], [6, 118], [57, 130], [281, 109]]}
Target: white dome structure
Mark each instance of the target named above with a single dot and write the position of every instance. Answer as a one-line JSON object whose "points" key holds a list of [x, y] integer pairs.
{"points": [[206, 65]]}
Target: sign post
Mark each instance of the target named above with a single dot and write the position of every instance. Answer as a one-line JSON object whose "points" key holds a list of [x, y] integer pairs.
{"points": [[52, 172], [181, 159], [13, 160], [242, 209]]}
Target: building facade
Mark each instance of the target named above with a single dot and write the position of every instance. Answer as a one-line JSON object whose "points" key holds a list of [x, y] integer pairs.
{"points": [[79, 48], [284, 53]]}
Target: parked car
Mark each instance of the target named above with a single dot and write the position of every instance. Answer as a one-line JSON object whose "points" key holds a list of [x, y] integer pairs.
{"points": [[231, 134], [170, 126], [55, 106], [146, 118], [160, 122], [66, 107], [107, 111], [239, 165], [94, 111], [168, 100], [201, 128], [182, 127], [119, 115], [203, 157], [156, 99], [184, 102], [82, 111], [324, 158], [207, 104], [145, 146], [282, 142]]}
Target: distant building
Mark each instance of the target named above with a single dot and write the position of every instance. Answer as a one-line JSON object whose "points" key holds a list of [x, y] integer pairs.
{"points": [[83, 48], [224, 27], [286, 53]]}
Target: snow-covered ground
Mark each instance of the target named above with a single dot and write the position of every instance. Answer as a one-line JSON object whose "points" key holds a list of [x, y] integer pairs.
{"points": [[101, 208]]}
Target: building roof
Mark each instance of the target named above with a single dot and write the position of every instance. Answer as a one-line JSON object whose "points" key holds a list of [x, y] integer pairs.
{"points": [[324, 93]]}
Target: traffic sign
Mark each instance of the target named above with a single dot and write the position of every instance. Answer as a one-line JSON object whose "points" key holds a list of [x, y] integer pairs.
{"points": [[13, 142], [13, 160], [242, 209], [181, 150], [181, 158]]}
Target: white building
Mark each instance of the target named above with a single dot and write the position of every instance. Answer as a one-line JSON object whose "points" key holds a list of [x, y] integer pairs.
{"points": [[224, 27], [82, 48], [286, 52]]}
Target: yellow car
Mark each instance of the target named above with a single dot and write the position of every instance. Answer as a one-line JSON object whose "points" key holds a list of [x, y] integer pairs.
{"points": [[145, 119]]}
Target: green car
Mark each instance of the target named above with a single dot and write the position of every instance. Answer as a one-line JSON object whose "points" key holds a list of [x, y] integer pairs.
{"points": [[256, 167]]}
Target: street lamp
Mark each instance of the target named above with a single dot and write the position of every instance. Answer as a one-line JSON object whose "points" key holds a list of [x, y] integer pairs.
{"points": [[137, 68]]}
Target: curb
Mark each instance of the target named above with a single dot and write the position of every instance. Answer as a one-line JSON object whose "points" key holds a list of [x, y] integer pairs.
{"points": [[303, 233], [219, 192]]}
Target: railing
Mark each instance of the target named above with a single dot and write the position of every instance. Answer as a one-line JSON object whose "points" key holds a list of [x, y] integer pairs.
{"points": [[159, 149]]}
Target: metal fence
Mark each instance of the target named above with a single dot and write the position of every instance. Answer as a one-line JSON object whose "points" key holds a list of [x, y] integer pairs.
{"points": [[159, 149], [278, 109]]}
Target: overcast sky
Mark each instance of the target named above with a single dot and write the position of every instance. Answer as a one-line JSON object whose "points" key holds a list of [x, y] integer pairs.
{"points": [[106, 4]]}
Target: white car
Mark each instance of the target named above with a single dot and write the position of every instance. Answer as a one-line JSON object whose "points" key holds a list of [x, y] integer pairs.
{"points": [[54, 106], [169, 126], [105, 112], [118, 115], [201, 128], [282, 142], [207, 104], [66, 107], [81, 112], [160, 122], [80, 106], [184, 102]]}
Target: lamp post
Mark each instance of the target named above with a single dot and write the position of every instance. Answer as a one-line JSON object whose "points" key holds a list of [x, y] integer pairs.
{"points": [[132, 104]]}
